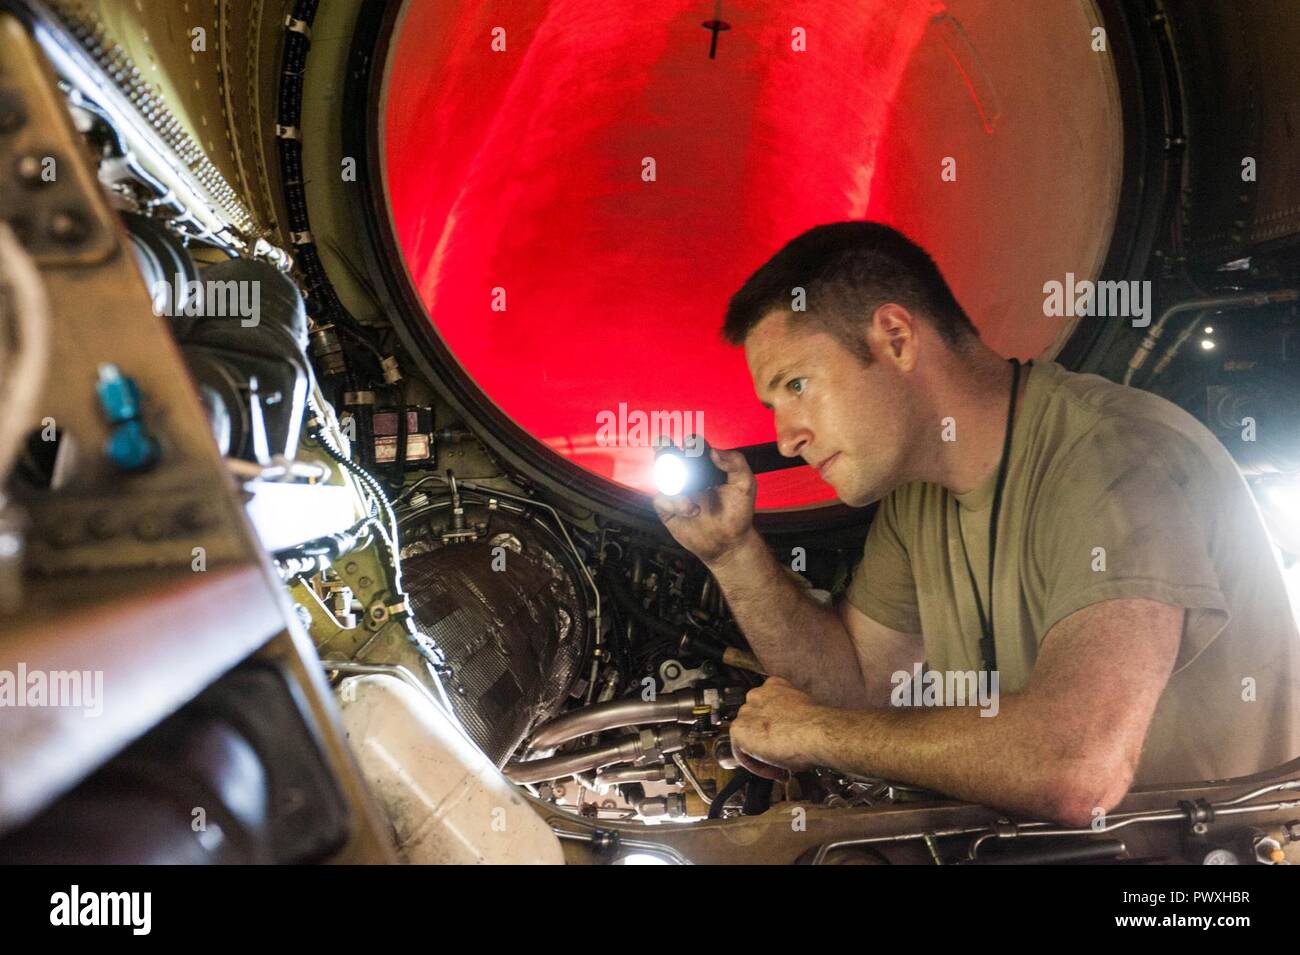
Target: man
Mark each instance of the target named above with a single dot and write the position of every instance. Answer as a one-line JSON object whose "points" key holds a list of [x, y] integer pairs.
{"points": [[1134, 611]]}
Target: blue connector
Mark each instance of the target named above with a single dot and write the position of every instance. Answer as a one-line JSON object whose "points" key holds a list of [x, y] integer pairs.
{"points": [[130, 446]]}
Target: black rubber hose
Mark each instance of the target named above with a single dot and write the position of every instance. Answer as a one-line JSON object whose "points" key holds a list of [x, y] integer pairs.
{"points": [[627, 602], [758, 797], [741, 778], [331, 546]]}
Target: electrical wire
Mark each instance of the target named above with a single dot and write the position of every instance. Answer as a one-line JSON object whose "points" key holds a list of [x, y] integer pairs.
{"points": [[385, 538], [369, 481]]}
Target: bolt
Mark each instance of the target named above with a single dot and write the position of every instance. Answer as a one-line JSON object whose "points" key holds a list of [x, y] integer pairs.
{"points": [[28, 169], [67, 226]]}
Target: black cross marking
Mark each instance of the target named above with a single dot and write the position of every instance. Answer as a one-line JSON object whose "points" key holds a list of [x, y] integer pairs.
{"points": [[716, 26]]}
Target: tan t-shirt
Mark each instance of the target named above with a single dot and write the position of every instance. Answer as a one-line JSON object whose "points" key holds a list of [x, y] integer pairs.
{"points": [[1111, 492]]}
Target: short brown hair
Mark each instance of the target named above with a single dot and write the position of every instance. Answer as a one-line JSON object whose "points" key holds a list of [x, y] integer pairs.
{"points": [[847, 270]]}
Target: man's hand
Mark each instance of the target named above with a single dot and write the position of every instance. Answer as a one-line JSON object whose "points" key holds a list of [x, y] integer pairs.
{"points": [[717, 521], [767, 735], [1064, 748]]}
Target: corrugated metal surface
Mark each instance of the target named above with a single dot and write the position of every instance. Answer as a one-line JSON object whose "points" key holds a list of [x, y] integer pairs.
{"points": [[514, 636]]}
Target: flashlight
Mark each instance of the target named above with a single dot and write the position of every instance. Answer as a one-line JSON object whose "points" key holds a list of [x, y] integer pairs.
{"points": [[677, 472]]}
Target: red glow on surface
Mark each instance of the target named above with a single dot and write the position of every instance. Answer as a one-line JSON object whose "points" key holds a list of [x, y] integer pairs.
{"points": [[522, 170]]}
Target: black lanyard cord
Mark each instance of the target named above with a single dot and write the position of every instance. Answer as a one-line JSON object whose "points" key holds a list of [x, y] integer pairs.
{"points": [[988, 650]]}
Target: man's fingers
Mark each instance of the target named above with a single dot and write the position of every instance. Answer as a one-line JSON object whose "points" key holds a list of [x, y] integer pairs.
{"points": [[663, 507], [737, 468], [729, 461], [751, 762], [677, 506], [757, 766]]}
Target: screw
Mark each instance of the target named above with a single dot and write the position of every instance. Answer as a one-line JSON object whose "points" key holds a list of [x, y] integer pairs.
{"points": [[67, 226], [28, 169]]}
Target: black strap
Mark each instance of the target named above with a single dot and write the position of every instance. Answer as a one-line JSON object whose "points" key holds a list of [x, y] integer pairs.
{"points": [[988, 649]]}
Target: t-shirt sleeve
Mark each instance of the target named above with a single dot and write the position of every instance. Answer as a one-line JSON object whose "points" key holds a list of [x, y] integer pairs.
{"points": [[1114, 522], [883, 587]]}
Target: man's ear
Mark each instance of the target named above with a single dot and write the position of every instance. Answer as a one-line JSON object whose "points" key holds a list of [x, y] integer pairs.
{"points": [[895, 328]]}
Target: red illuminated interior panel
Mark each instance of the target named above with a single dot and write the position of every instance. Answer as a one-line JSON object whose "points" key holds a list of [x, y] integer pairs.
{"points": [[566, 283]]}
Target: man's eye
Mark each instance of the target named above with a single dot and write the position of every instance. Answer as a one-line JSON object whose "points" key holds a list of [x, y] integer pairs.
{"points": [[796, 385]]}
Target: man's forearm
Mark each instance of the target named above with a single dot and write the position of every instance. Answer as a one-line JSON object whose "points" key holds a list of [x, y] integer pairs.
{"points": [[1009, 761], [793, 635]]}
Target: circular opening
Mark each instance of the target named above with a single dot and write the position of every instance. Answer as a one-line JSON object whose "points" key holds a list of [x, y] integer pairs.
{"points": [[575, 194]]}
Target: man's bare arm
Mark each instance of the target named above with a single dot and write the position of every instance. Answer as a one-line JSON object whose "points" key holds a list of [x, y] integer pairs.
{"points": [[821, 651], [793, 635], [1064, 747], [839, 656], [881, 652]]}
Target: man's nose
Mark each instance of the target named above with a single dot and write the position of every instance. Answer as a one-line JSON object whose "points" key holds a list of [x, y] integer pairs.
{"points": [[792, 440]]}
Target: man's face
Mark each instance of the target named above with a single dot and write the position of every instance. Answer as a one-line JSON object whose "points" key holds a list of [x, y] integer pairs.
{"points": [[846, 420]]}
